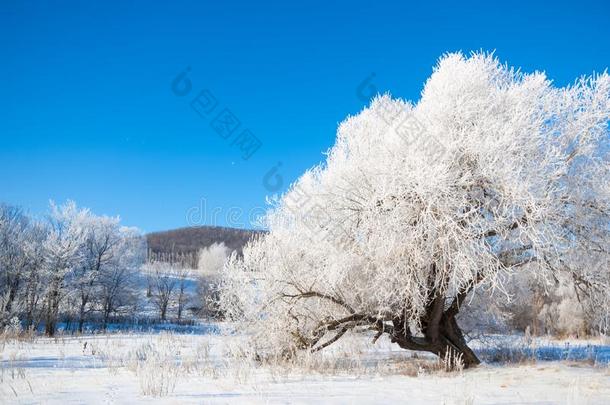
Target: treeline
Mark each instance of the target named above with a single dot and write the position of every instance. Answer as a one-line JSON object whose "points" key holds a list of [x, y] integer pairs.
{"points": [[75, 270], [71, 265], [184, 259], [183, 245]]}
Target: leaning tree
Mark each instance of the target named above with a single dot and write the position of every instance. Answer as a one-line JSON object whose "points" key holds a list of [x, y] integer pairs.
{"points": [[420, 206]]}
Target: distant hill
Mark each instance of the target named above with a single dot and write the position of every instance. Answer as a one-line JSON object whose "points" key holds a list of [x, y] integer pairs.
{"points": [[182, 245]]}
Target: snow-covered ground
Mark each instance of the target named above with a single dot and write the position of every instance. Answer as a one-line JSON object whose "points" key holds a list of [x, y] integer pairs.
{"points": [[203, 368]]}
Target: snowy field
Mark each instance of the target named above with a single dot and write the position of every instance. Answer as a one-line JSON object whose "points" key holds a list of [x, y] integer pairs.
{"points": [[207, 368]]}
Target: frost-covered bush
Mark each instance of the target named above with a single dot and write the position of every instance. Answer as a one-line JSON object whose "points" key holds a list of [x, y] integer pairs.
{"points": [[564, 314], [554, 307], [210, 263], [13, 328], [419, 206]]}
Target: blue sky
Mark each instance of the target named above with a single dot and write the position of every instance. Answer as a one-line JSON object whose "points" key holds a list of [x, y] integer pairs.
{"points": [[87, 110]]}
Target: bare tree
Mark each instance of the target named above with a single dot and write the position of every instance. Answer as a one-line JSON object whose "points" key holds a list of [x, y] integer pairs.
{"points": [[183, 274], [117, 279], [99, 253], [164, 281]]}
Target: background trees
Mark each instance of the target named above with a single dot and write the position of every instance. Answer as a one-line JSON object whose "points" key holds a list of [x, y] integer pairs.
{"points": [[164, 281], [99, 251], [118, 284], [554, 306], [418, 207], [74, 270], [17, 259], [73, 263]]}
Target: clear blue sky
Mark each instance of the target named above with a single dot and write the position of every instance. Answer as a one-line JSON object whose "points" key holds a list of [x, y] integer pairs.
{"points": [[87, 110]]}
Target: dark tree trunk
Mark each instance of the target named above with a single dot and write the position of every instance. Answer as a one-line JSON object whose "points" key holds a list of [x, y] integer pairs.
{"points": [[81, 312], [50, 321], [449, 342], [14, 287], [49, 328], [180, 303], [442, 334], [52, 310], [453, 334], [107, 310], [31, 300], [163, 311]]}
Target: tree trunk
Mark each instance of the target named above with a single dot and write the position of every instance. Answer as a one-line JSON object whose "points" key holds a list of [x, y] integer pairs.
{"points": [[453, 334], [81, 312], [107, 311], [442, 334], [14, 286], [163, 311], [449, 343], [52, 309], [49, 328], [50, 320], [31, 301], [180, 304]]}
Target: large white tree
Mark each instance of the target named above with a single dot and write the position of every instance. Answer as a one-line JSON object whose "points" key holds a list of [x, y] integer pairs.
{"points": [[418, 207]]}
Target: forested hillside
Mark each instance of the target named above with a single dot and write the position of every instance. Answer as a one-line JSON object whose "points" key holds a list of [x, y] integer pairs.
{"points": [[183, 244]]}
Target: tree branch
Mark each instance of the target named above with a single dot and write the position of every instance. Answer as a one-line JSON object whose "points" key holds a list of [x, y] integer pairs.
{"points": [[310, 294]]}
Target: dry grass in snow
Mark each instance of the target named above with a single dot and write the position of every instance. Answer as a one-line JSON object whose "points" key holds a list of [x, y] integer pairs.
{"points": [[213, 369]]}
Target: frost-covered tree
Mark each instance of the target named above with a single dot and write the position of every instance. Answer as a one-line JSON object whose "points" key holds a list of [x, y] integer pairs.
{"points": [[212, 258], [99, 252], [420, 207], [33, 286], [18, 259], [164, 280], [183, 274], [63, 249], [68, 266], [211, 261], [117, 279], [12, 227]]}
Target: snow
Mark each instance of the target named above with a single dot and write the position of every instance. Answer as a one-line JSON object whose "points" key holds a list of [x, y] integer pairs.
{"points": [[119, 368], [528, 384]]}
